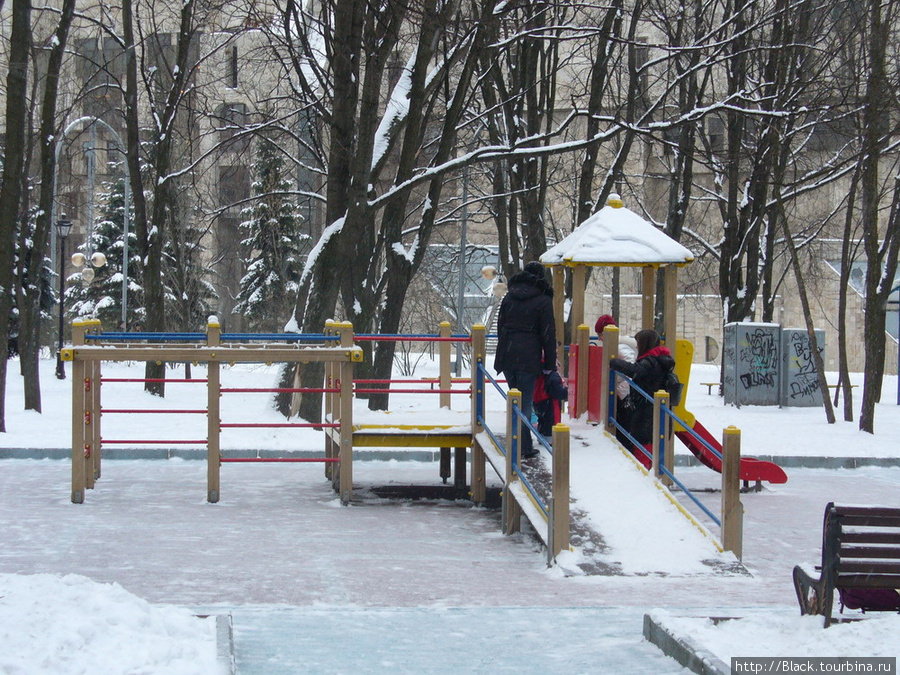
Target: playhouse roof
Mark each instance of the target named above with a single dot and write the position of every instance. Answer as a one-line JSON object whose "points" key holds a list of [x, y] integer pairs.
{"points": [[617, 236]]}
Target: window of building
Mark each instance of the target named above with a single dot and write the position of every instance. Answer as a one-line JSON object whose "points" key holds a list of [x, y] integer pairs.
{"points": [[231, 119], [234, 186], [232, 68]]}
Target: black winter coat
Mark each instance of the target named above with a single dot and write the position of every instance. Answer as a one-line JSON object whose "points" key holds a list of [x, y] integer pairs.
{"points": [[649, 373], [526, 329]]}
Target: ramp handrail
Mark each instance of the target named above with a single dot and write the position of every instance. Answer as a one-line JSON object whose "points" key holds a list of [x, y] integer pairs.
{"points": [[730, 522], [520, 495]]}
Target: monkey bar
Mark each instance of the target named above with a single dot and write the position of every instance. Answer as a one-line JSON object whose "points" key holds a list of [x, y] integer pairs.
{"points": [[90, 350]]}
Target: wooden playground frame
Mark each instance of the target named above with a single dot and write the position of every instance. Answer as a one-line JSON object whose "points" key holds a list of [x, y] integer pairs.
{"points": [[89, 351], [87, 360]]}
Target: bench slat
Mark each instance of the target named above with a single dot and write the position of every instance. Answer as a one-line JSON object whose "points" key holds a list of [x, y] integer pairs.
{"points": [[870, 537], [868, 567], [866, 581], [875, 512], [890, 552], [865, 510], [870, 521]]}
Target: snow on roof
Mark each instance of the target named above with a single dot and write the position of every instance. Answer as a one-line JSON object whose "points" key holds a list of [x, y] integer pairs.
{"points": [[617, 236]]}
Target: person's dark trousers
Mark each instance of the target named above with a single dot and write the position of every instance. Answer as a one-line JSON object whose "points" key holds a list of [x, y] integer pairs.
{"points": [[524, 382], [546, 415]]}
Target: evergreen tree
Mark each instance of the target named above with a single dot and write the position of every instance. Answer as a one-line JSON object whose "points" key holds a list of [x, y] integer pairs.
{"points": [[102, 298], [47, 294], [189, 295], [272, 248]]}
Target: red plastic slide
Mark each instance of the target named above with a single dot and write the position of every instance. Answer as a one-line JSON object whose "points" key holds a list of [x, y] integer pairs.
{"points": [[751, 469]]}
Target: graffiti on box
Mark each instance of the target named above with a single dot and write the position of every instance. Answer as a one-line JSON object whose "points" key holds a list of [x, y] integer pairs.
{"points": [[760, 354], [803, 381]]}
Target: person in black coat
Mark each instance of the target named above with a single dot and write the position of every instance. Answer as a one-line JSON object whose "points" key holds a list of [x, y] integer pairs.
{"points": [[526, 343], [649, 372]]}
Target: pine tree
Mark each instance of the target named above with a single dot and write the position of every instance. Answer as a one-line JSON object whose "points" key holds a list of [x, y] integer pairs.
{"points": [[102, 298], [47, 293], [273, 247], [189, 295]]}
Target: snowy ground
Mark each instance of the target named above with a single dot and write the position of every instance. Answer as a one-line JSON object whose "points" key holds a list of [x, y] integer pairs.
{"points": [[279, 547]]}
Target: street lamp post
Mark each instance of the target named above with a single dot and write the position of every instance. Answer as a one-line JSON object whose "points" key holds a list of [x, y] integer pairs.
{"points": [[63, 227]]}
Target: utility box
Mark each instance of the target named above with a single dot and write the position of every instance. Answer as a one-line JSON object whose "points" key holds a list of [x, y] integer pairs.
{"points": [[751, 358], [799, 379]]}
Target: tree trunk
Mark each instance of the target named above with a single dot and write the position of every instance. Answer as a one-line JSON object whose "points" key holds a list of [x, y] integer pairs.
{"points": [[136, 168], [30, 290], [875, 116], [13, 171], [847, 258], [807, 314]]}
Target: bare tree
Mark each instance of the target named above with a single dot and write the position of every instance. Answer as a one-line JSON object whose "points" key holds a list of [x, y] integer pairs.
{"points": [[13, 183], [881, 246], [31, 261]]}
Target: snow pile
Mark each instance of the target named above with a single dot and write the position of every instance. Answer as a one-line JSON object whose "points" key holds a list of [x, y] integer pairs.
{"points": [[70, 624], [782, 635]]}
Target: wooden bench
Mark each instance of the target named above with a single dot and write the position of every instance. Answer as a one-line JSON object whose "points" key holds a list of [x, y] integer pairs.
{"points": [[709, 386], [860, 559]]}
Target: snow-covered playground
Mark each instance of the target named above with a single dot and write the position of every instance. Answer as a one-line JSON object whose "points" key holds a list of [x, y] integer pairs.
{"points": [[396, 586]]}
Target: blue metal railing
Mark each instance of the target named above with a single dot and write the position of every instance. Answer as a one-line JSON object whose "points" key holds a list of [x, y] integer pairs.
{"points": [[481, 375], [168, 336], [148, 337], [480, 396], [119, 336], [528, 428], [667, 415]]}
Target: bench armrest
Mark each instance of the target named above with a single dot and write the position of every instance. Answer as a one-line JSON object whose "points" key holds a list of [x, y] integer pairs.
{"points": [[811, 592]]}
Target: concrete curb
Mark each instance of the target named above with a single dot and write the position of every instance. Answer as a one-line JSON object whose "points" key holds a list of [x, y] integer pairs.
{"points": [[417, 455], [803, 462], [683, 649], [225, 643]]}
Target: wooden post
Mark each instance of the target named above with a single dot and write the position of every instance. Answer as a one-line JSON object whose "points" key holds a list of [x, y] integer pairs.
{"points": [[78, 412], [576, 314], [607, 379], [559, 506], [443, 385], [92, 413], [648, 296], [559, 313], [670, 304], [512, 512], [583, 340], [92, 423], [345, 489], [213, 414], [732, 509], [669, 454], [660, 398], [479, 489], [332, 406]]}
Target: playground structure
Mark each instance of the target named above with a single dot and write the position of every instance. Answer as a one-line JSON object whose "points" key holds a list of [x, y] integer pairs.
{"points": [[493, 442], [336, 349], [591, 390], [618, 237]]}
